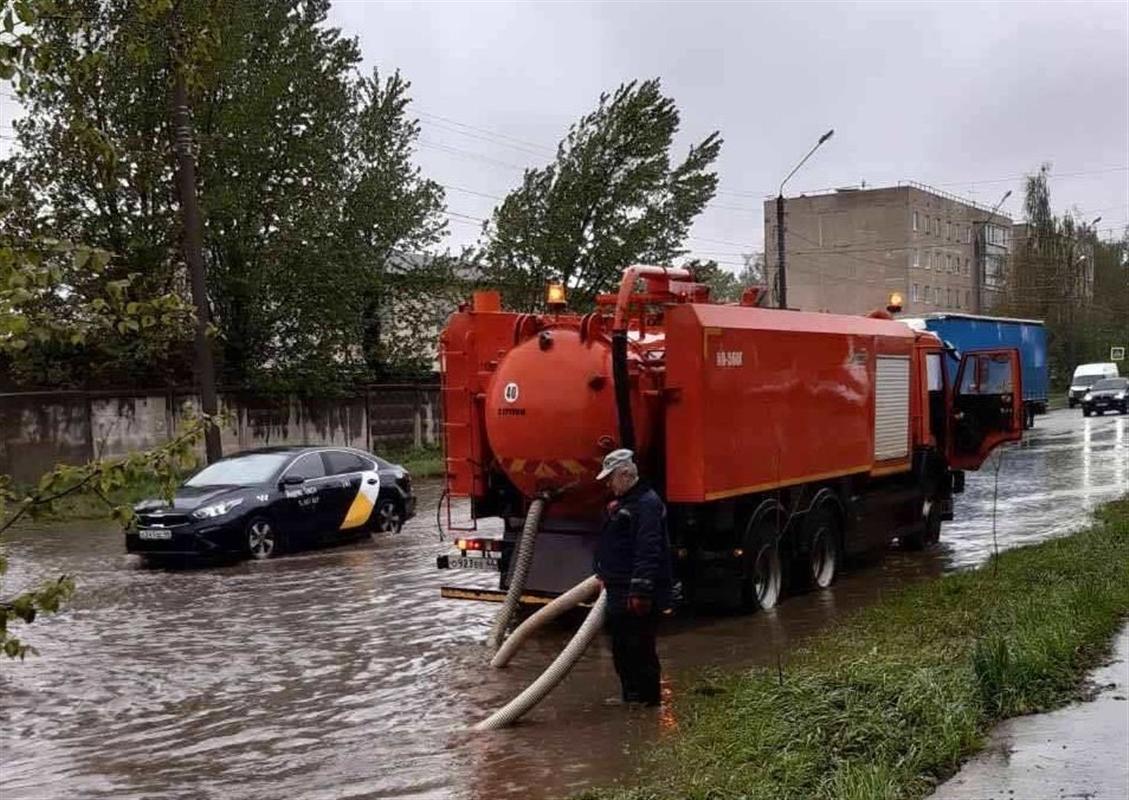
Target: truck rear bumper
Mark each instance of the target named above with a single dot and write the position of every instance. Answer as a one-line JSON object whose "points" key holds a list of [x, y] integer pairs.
{"points": [[492, 595]]}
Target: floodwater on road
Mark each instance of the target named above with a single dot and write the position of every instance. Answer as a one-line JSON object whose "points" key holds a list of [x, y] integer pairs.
{"points": [[341, 673]]}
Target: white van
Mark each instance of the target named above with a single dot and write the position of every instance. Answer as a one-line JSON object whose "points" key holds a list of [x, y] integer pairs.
{"points": [[1085, 375]]}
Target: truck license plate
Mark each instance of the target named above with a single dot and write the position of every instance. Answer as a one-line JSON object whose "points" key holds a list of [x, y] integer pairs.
{"points": [[473, 563], [157, 533]]}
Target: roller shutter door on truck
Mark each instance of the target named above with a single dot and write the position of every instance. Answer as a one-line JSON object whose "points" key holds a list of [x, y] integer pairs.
{"points": [[891, 408]]}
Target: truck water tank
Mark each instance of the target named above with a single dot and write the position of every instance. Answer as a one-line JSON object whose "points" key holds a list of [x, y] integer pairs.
{"points": [[551, 414]]}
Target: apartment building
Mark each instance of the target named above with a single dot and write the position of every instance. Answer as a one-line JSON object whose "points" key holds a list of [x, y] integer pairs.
{"points": [[848, 250]]}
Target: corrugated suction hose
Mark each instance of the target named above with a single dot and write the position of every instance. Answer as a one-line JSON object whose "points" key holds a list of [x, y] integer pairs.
{"points": [[582, 591], [520, 573], [556, 672]]}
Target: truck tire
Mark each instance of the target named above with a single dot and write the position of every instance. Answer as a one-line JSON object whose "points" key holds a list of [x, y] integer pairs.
{"points": [[762, 573], [930, 532], [818, 564]]}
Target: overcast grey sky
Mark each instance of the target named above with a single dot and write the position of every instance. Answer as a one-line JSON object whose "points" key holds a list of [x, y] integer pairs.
{"points": [[963, 96]]}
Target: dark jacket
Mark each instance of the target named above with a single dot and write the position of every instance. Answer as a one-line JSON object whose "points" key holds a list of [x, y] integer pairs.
{"points": [[633, 555]]}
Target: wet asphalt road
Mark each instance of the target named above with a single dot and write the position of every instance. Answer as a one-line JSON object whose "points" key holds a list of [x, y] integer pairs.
{"points": [[342, 673]]}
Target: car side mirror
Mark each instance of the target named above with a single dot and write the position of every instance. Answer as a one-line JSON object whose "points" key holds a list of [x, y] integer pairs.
{"points": [[292, 480]]}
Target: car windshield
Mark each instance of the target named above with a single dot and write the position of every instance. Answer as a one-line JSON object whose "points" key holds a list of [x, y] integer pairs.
{"points": [[1111, 383], [1086, 380], [248, 470]]}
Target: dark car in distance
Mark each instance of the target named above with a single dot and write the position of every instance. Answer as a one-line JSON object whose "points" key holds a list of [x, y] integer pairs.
{"points": [[260, 503], [1107, 394]]}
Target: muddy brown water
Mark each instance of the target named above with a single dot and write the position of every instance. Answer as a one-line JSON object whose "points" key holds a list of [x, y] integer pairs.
{"points": [[341, 673]]}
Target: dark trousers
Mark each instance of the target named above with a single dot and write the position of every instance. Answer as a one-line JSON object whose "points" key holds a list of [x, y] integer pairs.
{"points": [[636, 659]]}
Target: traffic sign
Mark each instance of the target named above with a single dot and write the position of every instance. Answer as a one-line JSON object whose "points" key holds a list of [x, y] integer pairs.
{"points": [[1117, 354]]}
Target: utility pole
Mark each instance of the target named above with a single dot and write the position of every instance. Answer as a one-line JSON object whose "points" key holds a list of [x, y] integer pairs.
{"points": [[193, 254], [782, 277]]}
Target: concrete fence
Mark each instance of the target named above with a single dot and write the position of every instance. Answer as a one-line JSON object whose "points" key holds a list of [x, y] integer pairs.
{"points": [[41, 429]]}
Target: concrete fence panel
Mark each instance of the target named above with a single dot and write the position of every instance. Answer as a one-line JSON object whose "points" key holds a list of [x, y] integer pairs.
{"points": [[41, 429]]}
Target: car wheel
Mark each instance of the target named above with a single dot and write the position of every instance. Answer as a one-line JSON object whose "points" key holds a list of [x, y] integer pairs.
{"points": [[1071, 403], [1085, 411], [263, 540], [389, 518]]}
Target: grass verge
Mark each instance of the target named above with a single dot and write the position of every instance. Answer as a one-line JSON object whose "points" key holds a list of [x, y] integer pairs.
{"points": [[887, 704], [421, 462], [86, 505]]}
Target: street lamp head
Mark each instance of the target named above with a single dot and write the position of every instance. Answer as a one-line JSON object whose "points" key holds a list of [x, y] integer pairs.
{"points": [[1096, 221], [826, 136], [1007, 194]]}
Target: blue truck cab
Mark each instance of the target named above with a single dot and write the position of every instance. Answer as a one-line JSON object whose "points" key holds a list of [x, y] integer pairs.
{"points": [[974, 332]]}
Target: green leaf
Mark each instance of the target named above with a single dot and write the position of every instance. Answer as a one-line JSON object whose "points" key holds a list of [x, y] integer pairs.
{"points": [[81, 257]]}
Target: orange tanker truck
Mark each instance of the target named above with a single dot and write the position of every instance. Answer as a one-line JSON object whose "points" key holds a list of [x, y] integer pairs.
{"points": [[780, 440]]}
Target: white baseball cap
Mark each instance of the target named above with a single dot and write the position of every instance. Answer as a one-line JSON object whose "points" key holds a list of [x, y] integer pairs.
{"points": [[614, 460]]}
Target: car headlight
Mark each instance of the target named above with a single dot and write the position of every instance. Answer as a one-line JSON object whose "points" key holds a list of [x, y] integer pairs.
{"points": [[1119, 396], [1088, 396], [216, 509]]}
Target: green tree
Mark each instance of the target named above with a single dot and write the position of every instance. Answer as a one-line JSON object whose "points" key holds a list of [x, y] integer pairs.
{"points": [[55, 294], [611, 198], [304, 174], [1060, 272], [726, 286], [392, 214]]}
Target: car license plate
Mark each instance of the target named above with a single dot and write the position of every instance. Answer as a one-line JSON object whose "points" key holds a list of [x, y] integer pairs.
{"points": [[473, 563], [158, 533]]}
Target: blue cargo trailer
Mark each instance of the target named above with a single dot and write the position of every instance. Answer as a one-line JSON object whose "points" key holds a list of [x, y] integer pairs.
{"points": [[974, 332]]}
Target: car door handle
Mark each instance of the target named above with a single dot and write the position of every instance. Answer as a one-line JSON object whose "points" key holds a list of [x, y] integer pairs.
{"points": [[371, 481]]}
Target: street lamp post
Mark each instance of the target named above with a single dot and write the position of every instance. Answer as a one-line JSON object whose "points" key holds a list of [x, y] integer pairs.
{"points": [[982, 256], [781, 276]]}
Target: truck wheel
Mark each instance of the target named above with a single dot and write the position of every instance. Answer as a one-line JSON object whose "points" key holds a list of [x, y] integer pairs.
{"points": [[819, 566], [930, 533], [762, 575]]}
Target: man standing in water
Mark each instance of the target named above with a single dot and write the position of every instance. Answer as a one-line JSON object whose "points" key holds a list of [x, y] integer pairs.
{"points": [[633, 562]]}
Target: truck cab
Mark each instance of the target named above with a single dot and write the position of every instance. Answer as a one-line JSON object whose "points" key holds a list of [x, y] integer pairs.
{"points": [[974, 400]]}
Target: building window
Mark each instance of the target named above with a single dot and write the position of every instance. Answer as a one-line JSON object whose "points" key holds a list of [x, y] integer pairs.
{"points": [[929, 260], [914, 294], [928, 295], [915, 220], [948, 229], [917, 259], [968, 299]]}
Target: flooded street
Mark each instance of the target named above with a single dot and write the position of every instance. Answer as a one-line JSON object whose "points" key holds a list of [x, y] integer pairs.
{"points": [[341, 673]]}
